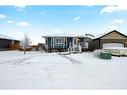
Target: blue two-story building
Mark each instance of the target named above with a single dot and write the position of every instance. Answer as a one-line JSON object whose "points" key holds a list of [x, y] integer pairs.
{"points": [[65, 42]]}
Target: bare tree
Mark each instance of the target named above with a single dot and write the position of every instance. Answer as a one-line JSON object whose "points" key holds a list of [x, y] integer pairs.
{"points": [[25, 43]]}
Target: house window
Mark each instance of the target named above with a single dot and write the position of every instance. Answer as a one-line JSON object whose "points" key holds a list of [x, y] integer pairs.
{"points": [[75, 41], [86, 45], [65, 41], [59, 41]]}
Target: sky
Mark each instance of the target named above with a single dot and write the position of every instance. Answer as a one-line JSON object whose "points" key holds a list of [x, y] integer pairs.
{"points": [[42, 20]]}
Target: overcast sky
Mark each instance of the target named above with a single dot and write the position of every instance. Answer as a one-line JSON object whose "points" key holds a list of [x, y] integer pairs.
{"points": [[42, 20]]}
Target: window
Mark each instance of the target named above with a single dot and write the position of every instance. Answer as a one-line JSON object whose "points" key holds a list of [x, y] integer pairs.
{"points": [[59, 41], [75, 41], [65, 41], [86, 45]]}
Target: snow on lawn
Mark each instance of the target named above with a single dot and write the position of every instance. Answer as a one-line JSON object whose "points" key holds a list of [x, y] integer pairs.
{"points": [[37, 70]]}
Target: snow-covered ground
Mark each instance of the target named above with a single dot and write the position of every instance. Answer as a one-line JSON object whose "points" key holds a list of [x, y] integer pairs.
{"points": [[37, 70]]}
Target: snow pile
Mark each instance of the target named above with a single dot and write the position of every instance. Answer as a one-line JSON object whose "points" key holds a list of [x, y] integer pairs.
{"points": [[97, 53]]}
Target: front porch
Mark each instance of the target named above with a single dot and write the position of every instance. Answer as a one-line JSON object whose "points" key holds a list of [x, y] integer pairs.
{"points": [[78, 47]]}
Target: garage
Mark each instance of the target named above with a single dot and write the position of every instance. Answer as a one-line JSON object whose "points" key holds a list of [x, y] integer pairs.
{"points": [[110, 39], [113, 45]]}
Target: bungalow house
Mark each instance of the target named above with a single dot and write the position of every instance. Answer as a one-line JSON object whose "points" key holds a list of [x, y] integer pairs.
{"points": [[65, 42], [111, 39], [7, 43]]}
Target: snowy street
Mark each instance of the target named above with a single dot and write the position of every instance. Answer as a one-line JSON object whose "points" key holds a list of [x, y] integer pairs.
{"points": [[37, 70]]}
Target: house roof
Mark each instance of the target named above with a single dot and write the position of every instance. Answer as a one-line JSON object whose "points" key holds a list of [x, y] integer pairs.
{"points": [[65, 35], [6, 37], [108, 34]]}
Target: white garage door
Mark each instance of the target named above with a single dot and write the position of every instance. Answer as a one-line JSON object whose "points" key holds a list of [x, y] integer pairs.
{"points": [[113, 45]]}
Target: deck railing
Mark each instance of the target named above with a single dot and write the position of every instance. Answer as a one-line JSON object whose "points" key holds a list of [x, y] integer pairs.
{"points": [[82, 44]]}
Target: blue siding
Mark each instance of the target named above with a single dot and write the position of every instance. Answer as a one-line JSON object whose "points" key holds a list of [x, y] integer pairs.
{"points": [[49, 42], [69, 39]]}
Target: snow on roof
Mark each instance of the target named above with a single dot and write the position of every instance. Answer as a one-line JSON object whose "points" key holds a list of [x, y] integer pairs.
{"points": [[100, 35], [66, 35], [6, 37]]}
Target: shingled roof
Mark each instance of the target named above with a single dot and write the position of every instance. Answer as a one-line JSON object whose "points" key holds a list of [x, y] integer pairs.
{"points": [[109, 33]]}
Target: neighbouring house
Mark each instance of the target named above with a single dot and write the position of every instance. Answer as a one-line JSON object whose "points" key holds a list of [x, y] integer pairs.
{"points": [[7, 43], [66, 42], [111, 39], [39, 47], [42, 46], [26, 49], [34, 47]]}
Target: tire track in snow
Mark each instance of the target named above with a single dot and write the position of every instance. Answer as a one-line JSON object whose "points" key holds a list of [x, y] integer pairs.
{"points": [[21, 60], [69, 58], [17, 61]]}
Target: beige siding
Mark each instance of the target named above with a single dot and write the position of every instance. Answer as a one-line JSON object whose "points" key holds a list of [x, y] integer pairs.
{"points": [[114, 35]]}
